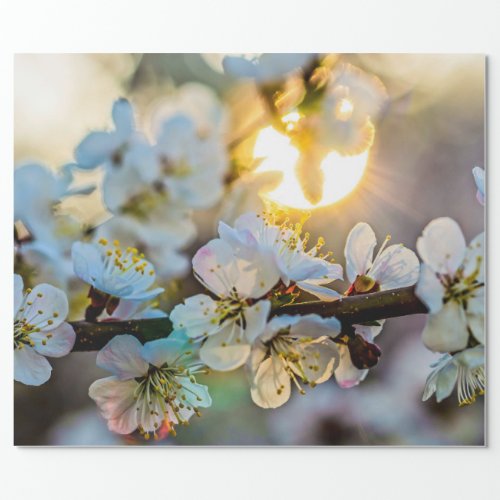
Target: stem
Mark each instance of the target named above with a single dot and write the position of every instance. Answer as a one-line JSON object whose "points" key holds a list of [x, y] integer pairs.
{"points": [[349, 310]]}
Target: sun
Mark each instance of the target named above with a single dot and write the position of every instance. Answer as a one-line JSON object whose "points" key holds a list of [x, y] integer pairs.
{"points": [[341, 174]]}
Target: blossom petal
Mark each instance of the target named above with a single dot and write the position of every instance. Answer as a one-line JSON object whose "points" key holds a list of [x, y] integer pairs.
{"points": [[475, 316], [471, 358], [321, 359], [87, 261], [96, 149], [223, 352], [314, 326], [30, 368], [165, 351], [346, 374], [359, 250], [18, 292], [319, 291], [256, 319], [46, 307], [116, 402], [442, 245], [429, 289], [123, 117], [61, 341], [195, 394], [122, 356], [446, 331], [446, 380], [271, 384], [395, 267], [198, 316], [214, 265], [474, 259]]}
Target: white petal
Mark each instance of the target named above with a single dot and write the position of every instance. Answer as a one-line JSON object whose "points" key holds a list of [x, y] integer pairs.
{"points": [[197, 316], [359, 250], [115, 399], [271, 384], [321, 359], [214, 264], [88, 262], [429, 289], [369, 332], [96, 149], [471, 358], [256, 319], [446, 331], [165, 351], [346, 374], [30, 368], [122, 356], [474, 258], [446, 380], [395, 267], [475, 316], [195, 394], [223, 352], [59, 344], [315, 326], [321, 292], [48, 309], [123, 117], [442, 245], [18, 292]]}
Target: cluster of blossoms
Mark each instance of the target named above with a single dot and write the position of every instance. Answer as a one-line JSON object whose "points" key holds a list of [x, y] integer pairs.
{"points": [[256, 267], [151, 188], [452, 286]]}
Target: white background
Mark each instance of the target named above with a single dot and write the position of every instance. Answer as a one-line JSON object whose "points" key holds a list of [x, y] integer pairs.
{"points": [[251, 26]]}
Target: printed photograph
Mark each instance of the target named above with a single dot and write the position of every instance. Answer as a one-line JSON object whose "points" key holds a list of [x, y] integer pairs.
{"points": [[261, 249]]}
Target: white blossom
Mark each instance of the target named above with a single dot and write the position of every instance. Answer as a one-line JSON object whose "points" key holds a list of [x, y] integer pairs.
{"points": [[231, 322], [294, 349], [39, 331], [394, 266], [464, 369], [257, 235], [192, 165], [451, 285], [152, 384], [124, 274]]}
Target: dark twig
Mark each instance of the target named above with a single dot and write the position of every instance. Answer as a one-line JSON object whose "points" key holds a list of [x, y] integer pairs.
{"points": [[349, 310]]}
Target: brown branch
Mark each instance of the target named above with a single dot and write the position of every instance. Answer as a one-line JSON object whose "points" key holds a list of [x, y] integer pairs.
{"points": [[349, 310]]}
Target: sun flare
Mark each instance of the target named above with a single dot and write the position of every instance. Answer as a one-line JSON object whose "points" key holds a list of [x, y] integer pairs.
{"points": [[341, 173]]}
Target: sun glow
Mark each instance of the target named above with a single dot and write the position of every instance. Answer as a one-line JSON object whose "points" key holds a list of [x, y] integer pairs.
{"points": [[341, 173]]}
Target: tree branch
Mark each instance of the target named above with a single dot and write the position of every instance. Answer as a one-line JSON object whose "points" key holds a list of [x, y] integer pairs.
{"points": [[349, 310]]}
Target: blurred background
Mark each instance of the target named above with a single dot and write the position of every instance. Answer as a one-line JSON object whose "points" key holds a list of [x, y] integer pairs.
{"points": [[428, 136]]}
